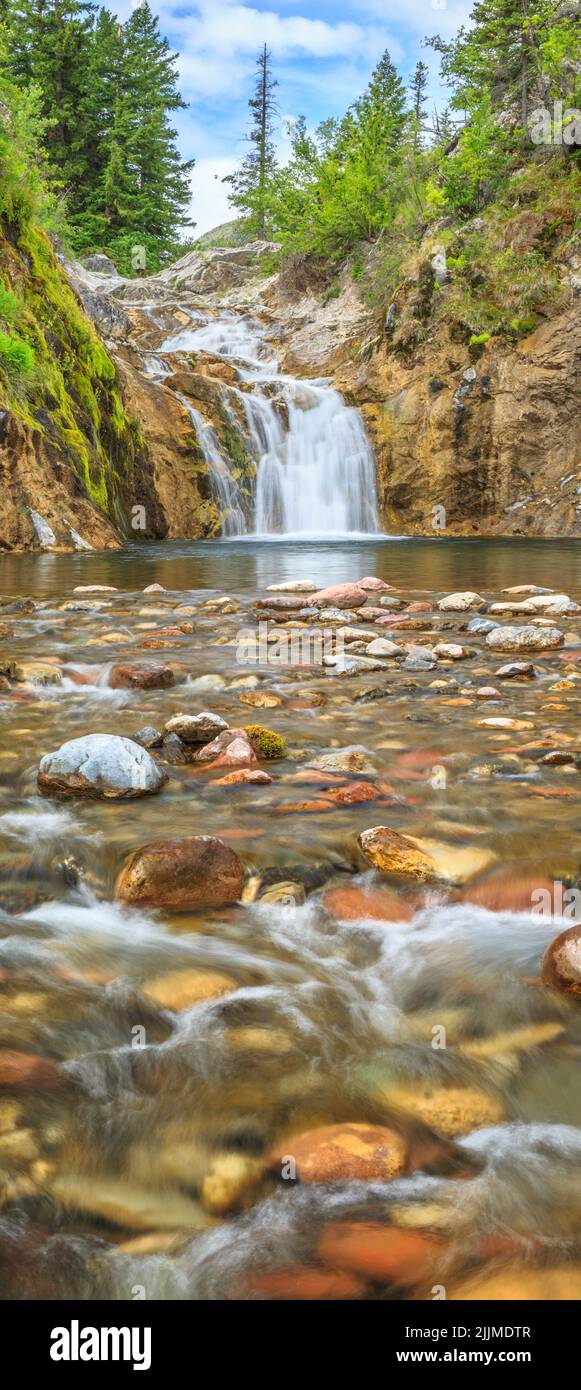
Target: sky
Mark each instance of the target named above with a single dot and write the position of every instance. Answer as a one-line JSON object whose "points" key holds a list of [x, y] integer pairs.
{"points": [[323, 54]]}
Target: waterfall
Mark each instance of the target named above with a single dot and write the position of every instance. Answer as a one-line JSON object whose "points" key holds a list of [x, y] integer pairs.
{"points": [[315, 465], [226, 490]]}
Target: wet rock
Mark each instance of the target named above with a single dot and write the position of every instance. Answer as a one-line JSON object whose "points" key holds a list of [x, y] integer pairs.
{"points": [[488, 692], [149, 737], [6, 631], [182, 989], [220, 743], [266, 742], [340, 596], [287, 893], [452, 1110], [155, 589], [231, 1183], [342, 1153], [244, 776], [38, 673], [304, 1284], [211, 681], [355, 794], [141, 675], [482, 625], [461, 603], [196, 728], [239, 753], [100, 765], [373, 585], [353, 759], [381, 1254], [561, 758], [182, 874], [393, 853], [528, 639], [23, 1071], [509, 890], [359, 904], [527, 589], [499, 721], [174, 751], [261, 699], [95, 589], [121, 1202], [285, 602], [561, 963], [450, 651], [516, 670]]}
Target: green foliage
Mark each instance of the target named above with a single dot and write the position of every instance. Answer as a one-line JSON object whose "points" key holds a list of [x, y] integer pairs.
{"points": [[251, 185], [16, 358]]}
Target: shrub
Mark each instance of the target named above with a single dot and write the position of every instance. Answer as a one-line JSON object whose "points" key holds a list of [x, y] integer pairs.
{"points": [[266, 742], [16, 358]]}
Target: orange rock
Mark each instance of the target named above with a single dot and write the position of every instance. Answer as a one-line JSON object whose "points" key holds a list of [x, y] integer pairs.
{"points": [[355, 793], [351, 904], [393, 853], [25, 1071], [141, 675], [507, 890], [383, 1254], [243, 775], [341, 1153], [181, 874], [561, 963], [305, 1283]]}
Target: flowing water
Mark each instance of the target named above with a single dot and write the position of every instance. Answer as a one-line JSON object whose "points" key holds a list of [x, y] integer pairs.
{"points": [[315, 465], [143, 1169]]}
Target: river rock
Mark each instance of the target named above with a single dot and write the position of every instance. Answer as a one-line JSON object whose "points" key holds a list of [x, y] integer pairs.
{"points": [[141, 675], [303, 1284], [373, 585], [196, 728], [182, 874], [211, 681], [381, 1253], [288, 893], [461, 603], [516, 670], [449, 651], [124, 1204], [100, 765], [352, 759], [23, 1071], [95, 589], [217, 745], [487, 692], [243, 776], [381, 646], [181, 989], [342, 1153], [528, 639], [238, 753], [339, 596], [286, 602], [451, 1110], [561, 963], [149, 737], [521, 1284], [482, 625], [509, 890], [353, 904], [393, 853], [38, 673]]}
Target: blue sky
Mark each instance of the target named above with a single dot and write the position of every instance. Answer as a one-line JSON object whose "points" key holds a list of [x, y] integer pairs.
{"points": [[323, 54]]}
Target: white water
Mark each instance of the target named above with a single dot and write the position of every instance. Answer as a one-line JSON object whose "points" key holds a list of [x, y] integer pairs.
{"points": [[315, 465]]}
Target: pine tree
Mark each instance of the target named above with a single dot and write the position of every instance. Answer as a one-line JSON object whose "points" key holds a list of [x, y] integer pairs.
{"points": [[251, 185], [418, 87]]}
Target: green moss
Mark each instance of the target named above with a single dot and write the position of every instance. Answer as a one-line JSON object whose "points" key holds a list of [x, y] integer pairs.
{"points": [[266, 742], [16, 358]]}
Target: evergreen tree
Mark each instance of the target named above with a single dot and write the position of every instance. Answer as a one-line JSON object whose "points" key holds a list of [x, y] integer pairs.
{"points": [[418, 87], [251, 185]]}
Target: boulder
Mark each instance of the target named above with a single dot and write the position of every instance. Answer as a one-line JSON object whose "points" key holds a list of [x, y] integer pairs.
{"points": [[393, 853], [100, 765], [363, 904], [340, 596], [527, 639], [181, 875]]}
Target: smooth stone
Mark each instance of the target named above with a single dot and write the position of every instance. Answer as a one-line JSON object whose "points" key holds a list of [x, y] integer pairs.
{"points": [[124, 1204], [352, 759], [452, 1110], [561, 963], [482, 625], [527, 589], [95, 589], [243, 776], [100, 765], [196, 728], [461, 602], [38, 673], [381, 646], [181, 989], [303, 1284], [528, 639], [207, 682], [342, 1153], [174, 751], [372, 584], [217, 745], [488, 692], [149, 737], [449, 651], [340, 596], [296, 586], [422, 859], [182, 874], [353, 904], [516, 670], [521, 1284], [23, 1071], [501, 722], [287, 894], [154, 589], [231, 1183]]}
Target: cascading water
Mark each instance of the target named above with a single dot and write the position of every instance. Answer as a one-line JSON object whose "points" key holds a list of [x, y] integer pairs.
{"points": [[225, 488], [315, 466]]}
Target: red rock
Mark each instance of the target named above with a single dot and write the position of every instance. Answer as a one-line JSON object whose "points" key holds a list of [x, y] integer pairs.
{"points": [[508, 890], [353, 904], [25, 1071], [291, 807], [217, 745], [305, 1283], [182, 874], [243, 775], [338, 596], [419, 606], [340, 1153], [238, 753], [369, 613], [355, 793], [561, 963], [286, 602], [141, 675], [383, 1254]]}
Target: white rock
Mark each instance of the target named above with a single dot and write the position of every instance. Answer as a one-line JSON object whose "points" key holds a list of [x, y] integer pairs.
{"points": [[527, 639], [298, 586], [381, 646], [460, 603], [449, 651], [101, 765]]}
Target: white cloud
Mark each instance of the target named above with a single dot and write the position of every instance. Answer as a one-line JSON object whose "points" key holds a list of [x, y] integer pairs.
{"points": [[210, 205]]}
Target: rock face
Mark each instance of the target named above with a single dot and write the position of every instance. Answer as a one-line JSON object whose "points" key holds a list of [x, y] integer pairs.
{"points": [[100, 765], [182, 874]]}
